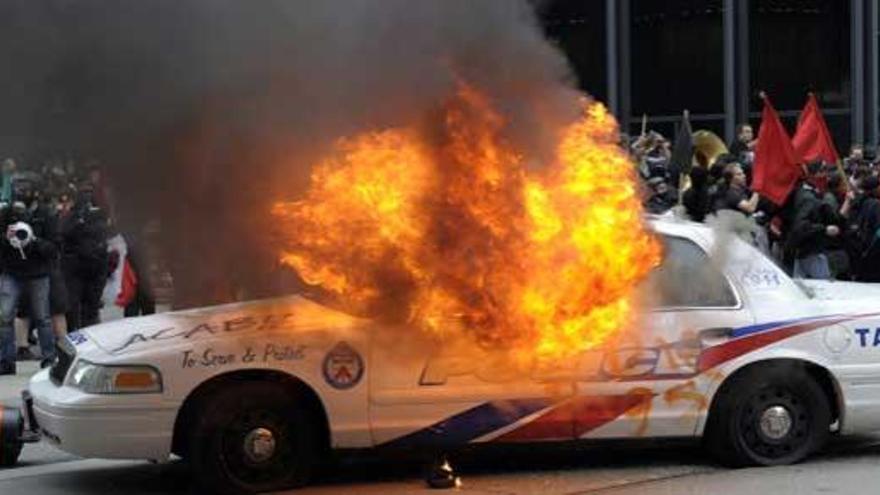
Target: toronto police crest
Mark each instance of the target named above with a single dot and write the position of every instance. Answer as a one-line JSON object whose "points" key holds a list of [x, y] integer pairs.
{"points": [[343, 367]]}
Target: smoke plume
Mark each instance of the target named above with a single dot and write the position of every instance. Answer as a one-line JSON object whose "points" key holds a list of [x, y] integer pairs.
{"points": [[204, 112]]}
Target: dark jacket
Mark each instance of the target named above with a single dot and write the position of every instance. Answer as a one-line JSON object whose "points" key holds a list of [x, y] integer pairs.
{"points": [[84, 242], [865, 248], [697, 199], [35, 259], [697, 203], [807, 219], [867, 218]]}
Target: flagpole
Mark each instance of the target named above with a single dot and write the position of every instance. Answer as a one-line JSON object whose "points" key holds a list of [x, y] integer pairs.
{"points": [[644, 123], [681, 177], [804, 165]]}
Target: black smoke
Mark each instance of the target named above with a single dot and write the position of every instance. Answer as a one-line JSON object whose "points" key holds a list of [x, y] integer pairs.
{"points": [[204, 112]]}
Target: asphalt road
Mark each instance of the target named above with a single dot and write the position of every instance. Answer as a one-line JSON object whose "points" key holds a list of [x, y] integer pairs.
{"points": [[848, 467]]}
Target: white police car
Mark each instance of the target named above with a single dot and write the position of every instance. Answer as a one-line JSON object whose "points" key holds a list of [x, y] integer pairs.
{"points": [[253, 394]]}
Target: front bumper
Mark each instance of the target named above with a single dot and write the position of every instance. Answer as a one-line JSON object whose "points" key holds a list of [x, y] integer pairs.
{"points": [[110, 427]]}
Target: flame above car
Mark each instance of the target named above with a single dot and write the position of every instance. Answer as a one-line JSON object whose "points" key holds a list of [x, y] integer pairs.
{"points": [[452, 232]]}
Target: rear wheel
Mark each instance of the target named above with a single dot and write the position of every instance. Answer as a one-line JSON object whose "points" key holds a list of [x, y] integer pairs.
{"points": [[11, 429], [252, 437], [769, 415]]}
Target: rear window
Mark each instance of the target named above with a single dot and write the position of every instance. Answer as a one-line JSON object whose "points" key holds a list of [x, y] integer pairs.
{"points": [[687, 278]]}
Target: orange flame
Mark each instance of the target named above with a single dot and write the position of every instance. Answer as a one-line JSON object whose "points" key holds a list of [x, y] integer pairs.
{"points": [[454, 235]]}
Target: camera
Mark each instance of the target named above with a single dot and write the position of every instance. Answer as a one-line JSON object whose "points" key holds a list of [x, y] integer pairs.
{"points": [[19, 235]]}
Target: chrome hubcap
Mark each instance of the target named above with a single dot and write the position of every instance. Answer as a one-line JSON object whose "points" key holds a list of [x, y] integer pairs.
{"points": [[259, 445], [775, 422]]}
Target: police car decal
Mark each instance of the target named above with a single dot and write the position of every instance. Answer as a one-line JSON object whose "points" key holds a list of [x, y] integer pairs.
{"points": [[77, 338], [545, 418], [343, 367]]}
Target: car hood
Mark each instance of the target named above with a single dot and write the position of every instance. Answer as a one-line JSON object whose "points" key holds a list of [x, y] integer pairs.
{"points": [[288, 314], [825, 290]]}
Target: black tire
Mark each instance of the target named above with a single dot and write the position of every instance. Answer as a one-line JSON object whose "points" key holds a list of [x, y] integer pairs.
{"points": [[217, 454], [734, 432], [11, 428]]}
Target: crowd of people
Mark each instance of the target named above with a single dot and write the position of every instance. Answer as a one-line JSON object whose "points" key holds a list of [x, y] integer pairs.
{"points": [[54, 259], [827, 227]]}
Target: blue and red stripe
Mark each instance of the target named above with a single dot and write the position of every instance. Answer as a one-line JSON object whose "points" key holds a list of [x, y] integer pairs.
{"points": [[473, 423]]}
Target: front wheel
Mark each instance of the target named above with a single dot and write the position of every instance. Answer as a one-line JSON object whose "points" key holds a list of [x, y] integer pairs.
{"points": [[252, 437], [11, 429], [769, 415]]}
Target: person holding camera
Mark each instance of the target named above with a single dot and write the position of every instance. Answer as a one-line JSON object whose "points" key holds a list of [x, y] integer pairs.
{"points": [[26, 255]]}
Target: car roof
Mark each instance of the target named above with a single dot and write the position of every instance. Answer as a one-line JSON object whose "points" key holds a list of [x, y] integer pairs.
{"points": [[670, 225]]}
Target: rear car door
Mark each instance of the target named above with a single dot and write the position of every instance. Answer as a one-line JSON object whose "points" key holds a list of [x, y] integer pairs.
{"points": [[649, 384]]}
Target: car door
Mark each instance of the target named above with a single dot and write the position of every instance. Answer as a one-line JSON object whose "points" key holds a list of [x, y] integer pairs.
{"points": [[424, 393], [649, 384]]}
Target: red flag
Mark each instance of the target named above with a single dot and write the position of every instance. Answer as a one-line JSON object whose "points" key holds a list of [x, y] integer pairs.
{"points": [[812, 141], [777, 167], [128, 291]]}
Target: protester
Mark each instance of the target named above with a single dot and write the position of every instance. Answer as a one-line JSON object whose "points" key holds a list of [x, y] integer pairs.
{"points": [[855, 159], [43, 218], [101, 195], [697, 199], [866, 220], [838, 199], [810, 226], [662, 196], [7, 171], [652, 153], [734, 195], [25, 256], [743, 148], [84, 259]]}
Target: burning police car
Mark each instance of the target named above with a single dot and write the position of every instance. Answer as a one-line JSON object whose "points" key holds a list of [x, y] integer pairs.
{"points": [[254, 394]]}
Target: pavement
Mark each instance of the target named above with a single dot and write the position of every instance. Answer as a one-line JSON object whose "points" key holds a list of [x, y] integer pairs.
{"points": [[849, 467]]}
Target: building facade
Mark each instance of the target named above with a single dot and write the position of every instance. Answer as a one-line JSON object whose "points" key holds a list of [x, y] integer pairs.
{"points": [[652, 59]]}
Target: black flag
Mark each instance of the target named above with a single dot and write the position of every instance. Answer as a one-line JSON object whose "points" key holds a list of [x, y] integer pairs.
{"points": [[682, 151]]}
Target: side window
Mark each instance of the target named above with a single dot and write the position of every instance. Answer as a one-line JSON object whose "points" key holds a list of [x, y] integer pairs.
{"points": [[687, 278]]}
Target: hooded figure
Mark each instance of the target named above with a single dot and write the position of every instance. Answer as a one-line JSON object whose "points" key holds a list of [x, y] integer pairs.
{"points": [[696, 200]]}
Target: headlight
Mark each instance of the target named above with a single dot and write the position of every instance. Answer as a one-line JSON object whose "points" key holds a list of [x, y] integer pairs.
{"points": [[100, 379]]}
